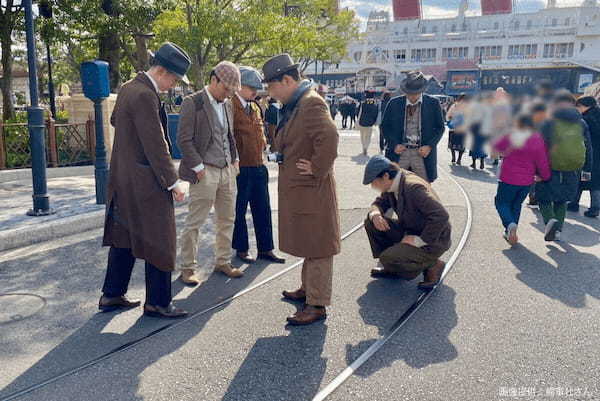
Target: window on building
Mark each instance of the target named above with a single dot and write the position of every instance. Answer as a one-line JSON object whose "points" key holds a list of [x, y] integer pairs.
{"points": [[517, 25], [558, 50], [465, 27], [405, 31], [554, 22], [357, 56], [434, 29], [567, 21], [400, 56], [529, 24], [423, 55], [453, 29], [496, 25]]}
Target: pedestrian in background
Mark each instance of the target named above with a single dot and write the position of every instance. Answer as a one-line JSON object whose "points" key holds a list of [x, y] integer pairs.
{"points": [[588, 107], [368, 111], [524, 157], [413, 126], [140, 216], [567, 140]]}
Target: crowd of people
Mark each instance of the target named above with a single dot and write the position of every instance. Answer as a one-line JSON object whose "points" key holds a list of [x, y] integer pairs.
{"points": [[226, 136]]}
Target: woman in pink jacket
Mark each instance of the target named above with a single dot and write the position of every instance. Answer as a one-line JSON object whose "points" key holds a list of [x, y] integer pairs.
{"points": [[525, 158]]}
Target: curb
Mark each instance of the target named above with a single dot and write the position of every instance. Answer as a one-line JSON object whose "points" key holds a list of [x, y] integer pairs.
{"points": [[19, 237], [55, 172]]}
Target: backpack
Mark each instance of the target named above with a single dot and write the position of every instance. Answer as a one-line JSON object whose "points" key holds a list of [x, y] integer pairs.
{"points": [[368, 113], [568, 146]]}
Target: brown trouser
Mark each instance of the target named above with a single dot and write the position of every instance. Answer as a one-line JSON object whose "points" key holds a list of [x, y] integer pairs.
{"points": [[405, 260], [317, 274]]}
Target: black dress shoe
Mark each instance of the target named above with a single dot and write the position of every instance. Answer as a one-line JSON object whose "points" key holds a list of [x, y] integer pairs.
{"points": [[592, 213], [271, 257], [169, 312], [107, 304], [246, 257], [380, 272], [573, 207]]}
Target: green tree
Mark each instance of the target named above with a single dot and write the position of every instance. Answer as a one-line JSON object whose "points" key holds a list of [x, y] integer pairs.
{"points": [[250, 31], [11, 18]]}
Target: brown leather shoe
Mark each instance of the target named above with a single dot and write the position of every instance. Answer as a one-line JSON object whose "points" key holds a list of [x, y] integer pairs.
{"points": [[169, 312], [229, 271], [310, 314], [432, 276], [296, 296], [188, 276], [107, 304]]}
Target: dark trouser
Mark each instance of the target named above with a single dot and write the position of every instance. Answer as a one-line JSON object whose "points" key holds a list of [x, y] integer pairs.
{"points": [[253, 189], [509, 200], [554, 210], [594, 195], [344, 120], [118, 274], [381, 140], [405, 260]]}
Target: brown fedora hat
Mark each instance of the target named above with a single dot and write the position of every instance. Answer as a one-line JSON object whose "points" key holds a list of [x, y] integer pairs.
{"points": [[277, 66], [415, 82]]}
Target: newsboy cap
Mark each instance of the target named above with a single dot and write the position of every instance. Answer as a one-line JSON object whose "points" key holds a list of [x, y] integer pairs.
{"points": [[376, 166], [229, 74], [251, 78], [174, 59], [277, 66]]}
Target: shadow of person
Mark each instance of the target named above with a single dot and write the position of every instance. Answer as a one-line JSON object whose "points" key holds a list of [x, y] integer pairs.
{"points": [[464, 171], [428, 330], [584, 233], [574, 275], [282, 368], [99, 335]]}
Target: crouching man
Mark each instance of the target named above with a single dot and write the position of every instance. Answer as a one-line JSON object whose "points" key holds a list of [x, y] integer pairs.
{"points": [[411, 242]]}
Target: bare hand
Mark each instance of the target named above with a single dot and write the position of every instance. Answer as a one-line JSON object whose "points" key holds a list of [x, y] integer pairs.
{"points": [[236, 165], [178, 194], [399, 149], [409, 240], [201, 174], [305, 167], [380, 223], [424, 151]]}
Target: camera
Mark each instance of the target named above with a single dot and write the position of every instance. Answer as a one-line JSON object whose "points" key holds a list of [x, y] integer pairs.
{"points": [[275, 157]]}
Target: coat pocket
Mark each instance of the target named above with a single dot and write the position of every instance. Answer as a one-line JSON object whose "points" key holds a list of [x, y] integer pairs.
{"points": [[304, 197], [145, 182]]}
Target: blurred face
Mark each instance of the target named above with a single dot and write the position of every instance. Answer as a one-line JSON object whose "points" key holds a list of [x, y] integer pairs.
{"points": [[219, 90], [382, 184], [539, 117], [247, 93], [413, 98], [282, 90], [164, 79], [582, 109]]}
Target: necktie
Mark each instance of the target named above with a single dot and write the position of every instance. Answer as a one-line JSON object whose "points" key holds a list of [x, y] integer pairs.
{"points": [[411, 109], [248, 109]]}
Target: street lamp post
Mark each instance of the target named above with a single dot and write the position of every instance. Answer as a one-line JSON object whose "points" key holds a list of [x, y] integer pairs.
{"points": [[35, 123]]}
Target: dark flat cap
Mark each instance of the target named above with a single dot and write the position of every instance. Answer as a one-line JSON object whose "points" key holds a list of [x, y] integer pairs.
{"points": [[174, 59], [376, 166]]}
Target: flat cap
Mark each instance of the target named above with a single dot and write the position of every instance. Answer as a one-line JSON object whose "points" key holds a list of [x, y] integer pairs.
{"points": [[376, 166], [229, 74], [251, 78]]}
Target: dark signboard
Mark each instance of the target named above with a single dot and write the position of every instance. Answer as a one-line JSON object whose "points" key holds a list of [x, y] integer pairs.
{"points": [[462, 81]]}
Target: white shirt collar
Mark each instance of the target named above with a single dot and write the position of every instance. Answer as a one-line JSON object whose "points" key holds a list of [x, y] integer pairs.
{"points": [[153, 82], [242, 100], [420, 100]]}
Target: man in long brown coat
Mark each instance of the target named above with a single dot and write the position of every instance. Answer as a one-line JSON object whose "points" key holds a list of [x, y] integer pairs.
{"points": [[306, 141], [140, 216]]}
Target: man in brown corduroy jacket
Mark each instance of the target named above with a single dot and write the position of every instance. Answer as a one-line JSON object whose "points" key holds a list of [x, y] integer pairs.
{"points": [[253, 180]]}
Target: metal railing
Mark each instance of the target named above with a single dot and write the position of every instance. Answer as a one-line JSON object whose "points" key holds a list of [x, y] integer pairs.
{"points": [[66, 144]]}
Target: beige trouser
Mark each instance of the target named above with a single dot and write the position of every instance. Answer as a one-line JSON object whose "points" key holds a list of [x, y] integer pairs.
{"points": [[317, 275], [411, 160], [218, 189], [365, 136]]}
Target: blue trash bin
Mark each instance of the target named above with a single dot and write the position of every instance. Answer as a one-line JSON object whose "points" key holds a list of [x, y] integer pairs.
{"points": [[173, 123]]}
